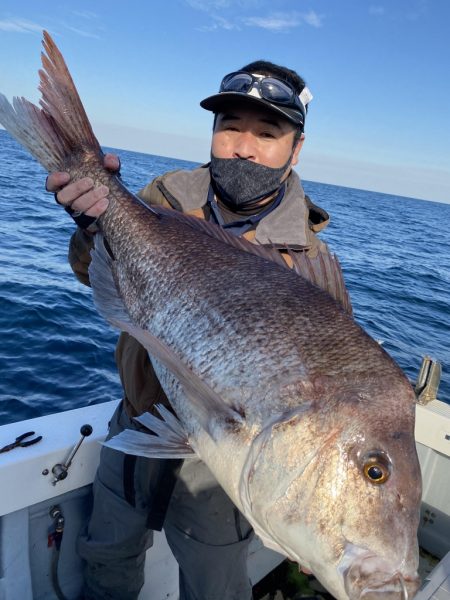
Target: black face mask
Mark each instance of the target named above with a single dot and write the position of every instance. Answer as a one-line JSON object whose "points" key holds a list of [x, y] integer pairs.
{"points": [[241, 183]]}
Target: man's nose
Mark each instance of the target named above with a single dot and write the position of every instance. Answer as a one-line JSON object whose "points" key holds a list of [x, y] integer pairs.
{"points": [[245, 146]]}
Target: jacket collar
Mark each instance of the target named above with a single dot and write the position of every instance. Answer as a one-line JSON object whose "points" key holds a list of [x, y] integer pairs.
{"points": [[287, 225]]}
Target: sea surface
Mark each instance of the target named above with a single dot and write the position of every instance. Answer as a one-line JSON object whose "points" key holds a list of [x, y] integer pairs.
{"points": [[56, 353]]}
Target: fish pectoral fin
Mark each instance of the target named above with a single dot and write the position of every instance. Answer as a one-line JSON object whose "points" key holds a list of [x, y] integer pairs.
{"points": [[207, 405]]}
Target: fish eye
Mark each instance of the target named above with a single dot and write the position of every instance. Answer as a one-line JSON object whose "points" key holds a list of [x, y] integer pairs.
{"points": [[376, 468]]}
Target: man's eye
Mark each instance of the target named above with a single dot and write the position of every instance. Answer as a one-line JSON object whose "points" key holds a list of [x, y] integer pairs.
{"points": [[267, 134]]}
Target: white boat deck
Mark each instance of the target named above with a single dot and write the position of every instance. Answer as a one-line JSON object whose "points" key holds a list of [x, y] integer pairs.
{"points": [[436, 586], [27, 493]]}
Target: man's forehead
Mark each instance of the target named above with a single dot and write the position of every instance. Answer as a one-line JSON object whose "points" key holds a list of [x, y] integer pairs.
{"points": [[255, 113]]}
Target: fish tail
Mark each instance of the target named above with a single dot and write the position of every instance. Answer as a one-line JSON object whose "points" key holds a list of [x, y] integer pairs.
{"points": [[60, 127]]}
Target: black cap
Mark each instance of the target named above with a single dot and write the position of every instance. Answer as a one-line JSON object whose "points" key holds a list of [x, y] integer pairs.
{"points": [[224, 100]]}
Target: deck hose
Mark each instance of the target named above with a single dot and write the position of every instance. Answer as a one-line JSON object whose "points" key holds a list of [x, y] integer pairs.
{"points": [[55, 539]]}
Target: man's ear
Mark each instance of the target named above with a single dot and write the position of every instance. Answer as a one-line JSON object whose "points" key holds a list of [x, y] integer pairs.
{"points": [[297, 149]]}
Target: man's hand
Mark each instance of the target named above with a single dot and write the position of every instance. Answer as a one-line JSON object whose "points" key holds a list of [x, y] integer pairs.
{"points": [[80, 195]]}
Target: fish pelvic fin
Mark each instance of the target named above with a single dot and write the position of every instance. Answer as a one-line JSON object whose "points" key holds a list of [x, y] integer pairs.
{"points": [[143, 444], [60, 127], [170, 439], [208, 406]]}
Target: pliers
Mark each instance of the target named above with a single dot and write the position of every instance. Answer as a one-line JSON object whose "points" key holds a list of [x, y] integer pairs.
{"points": [[20, 443]]}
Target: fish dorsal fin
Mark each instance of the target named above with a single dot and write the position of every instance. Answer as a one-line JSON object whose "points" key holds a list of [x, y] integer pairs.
{"points": [[208, 406], [223, 235], [324, 270]]}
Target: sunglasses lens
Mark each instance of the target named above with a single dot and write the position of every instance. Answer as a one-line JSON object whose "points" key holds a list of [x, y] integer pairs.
{"points": [[276, 91], [237, 82], [268, 88]]}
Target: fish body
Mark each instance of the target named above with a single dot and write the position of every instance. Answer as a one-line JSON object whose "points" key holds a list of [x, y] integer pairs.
{"points": [[304, 420]]}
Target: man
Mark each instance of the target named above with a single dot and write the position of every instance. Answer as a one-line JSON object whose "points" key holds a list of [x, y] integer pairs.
{"points": [[248, 188]]}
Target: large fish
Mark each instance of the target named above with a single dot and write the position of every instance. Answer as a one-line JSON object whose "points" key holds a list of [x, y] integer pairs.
{"points": [[304, 420]]}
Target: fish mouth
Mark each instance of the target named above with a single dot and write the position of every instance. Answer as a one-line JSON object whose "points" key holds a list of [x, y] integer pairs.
{"points": [[395, 588], [369, 578]]}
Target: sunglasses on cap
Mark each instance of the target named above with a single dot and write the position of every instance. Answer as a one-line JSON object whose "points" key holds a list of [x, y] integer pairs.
{"points": [[268, 88]]}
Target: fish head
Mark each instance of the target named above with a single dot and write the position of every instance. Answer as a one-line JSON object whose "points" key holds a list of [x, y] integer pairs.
{"points": [[344, 493]]}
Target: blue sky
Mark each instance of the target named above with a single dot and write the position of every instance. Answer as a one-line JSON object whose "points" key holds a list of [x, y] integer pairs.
{"points": [[378, 70]]}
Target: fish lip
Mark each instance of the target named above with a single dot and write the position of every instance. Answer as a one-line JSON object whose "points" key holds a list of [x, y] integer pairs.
{"points": [[397, 586], [367, 575]]}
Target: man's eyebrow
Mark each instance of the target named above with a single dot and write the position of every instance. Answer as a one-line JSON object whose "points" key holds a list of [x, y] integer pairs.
{"points": [[269, 121], [228, 117]]}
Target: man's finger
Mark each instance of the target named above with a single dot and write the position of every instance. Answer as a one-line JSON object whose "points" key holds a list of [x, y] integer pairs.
{"points": [[98, 208], [112, 162], [89, 200], [93, 203], [74, 191], [55, 181]]}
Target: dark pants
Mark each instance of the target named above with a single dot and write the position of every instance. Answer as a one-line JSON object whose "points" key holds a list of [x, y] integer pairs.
{"points": [[208, 536]]}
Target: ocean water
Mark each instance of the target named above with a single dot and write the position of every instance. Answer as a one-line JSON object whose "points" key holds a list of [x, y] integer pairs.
{"points": [[56, 353]]}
